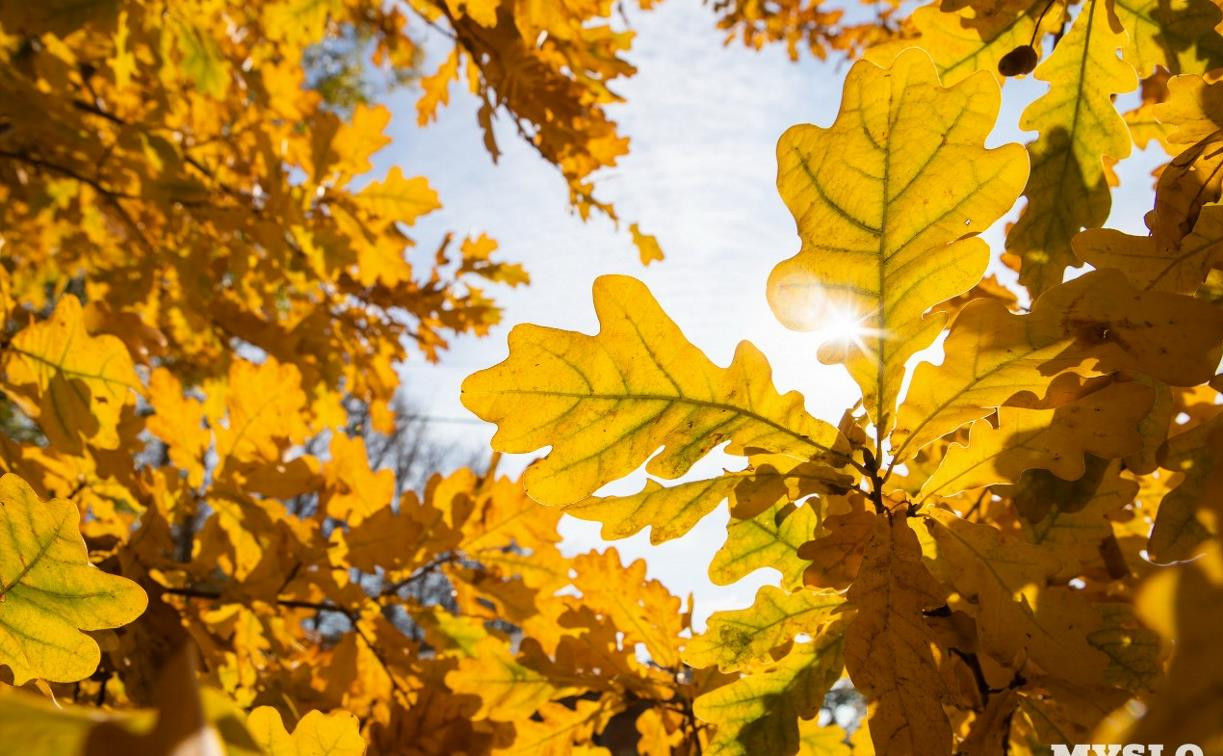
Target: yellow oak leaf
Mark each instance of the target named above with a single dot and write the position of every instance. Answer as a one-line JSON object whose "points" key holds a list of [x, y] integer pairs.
{"points": [[354, 491], [991, 355], [606, 403], [435, 88], [1178, 35], [1096, 322], [1103, 423], [316, 734], [886, 201], [178, 420], [672, 511], [1079, 129], [769, 539], [1190, 513], [397, 199], [1080, 532], [1184, 604], [887, 644], [644, 610], [1193, 110], [507, 690], [759, 713], [815, 739], [75, 385], [560, 730], [991, 573], [647, 245], [1174, 338], [977, 36], [836, 555], [266, 414], [1156, 263], [740, 638], [50, 593]]}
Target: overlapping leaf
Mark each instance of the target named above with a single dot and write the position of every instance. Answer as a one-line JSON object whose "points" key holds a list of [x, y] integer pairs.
{"points": [[1079, 129], [736, 639], [76, 384], [887, 645], [759, 713]]}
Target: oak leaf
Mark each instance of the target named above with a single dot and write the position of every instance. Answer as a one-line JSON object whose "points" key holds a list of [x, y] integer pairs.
{"points": [[1079, 129], [888, 647], [759, 713], [316, 734], [74, 384], [886, 200], [50, 592], [740, 638], [606, 403]]}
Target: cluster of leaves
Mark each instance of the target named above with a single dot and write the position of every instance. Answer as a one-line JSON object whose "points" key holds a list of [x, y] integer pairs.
{"points": [[1016, 547], [203, 307], [204, 520]]}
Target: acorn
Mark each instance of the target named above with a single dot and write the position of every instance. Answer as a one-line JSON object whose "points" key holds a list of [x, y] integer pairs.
{"points": [[1019, 61]]}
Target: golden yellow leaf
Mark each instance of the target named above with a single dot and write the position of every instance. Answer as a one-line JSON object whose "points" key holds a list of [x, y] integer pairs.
{"points": [[643, 610], [178, 420], [836, 555], [1159, 264], [397, 199], [316, 734], [647, 245], [991, 355], [1191, 512], [507, 690], [76, 385], [50, 593], [1185, 605], [561, 730], [886, 200], [740, 638], [606, 403], [672, 511], [887, 644], [977, 36], [1103, 423], [1178, 35], [759, 713], [1079, 129]]}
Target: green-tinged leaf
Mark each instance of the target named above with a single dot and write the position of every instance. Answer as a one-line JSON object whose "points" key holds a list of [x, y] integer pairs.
{"points": [[742, 637], [1079, 129], [1178, 35], [74, 384], [49, 592], [759, 713], [770, 539], [1189, 514]]}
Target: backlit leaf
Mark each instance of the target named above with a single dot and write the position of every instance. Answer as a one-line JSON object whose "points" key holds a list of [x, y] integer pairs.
{"points": [[886, 200], [606, 403]]}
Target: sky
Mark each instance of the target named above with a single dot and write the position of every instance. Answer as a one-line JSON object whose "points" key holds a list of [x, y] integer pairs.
{"points": [[704, 121]]}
